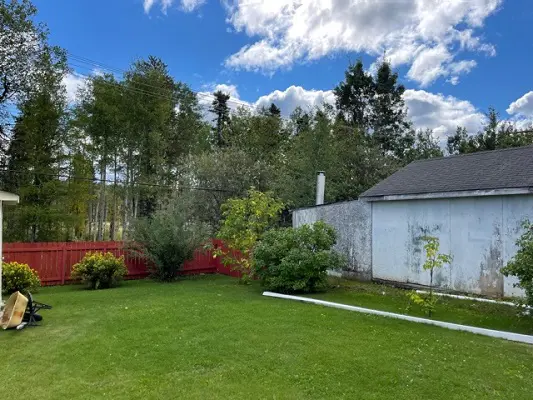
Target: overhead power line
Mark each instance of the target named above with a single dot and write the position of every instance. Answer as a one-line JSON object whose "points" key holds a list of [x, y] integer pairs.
{"points": [[86, 179], [115, 70]]}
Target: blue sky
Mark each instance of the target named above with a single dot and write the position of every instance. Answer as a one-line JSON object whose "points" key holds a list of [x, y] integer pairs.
{"points": [[456, 57]]}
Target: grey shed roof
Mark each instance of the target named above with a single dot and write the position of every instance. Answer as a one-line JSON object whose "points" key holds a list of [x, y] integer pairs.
{"points": [[487, 170]]}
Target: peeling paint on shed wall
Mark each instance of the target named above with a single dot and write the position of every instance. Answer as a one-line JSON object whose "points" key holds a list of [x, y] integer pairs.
{"points": [[479, 233], [515, 209], [352, 220]]}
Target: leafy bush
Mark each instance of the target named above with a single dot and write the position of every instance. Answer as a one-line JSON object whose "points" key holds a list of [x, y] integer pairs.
{"points": [[245, 221], [19, 277], [297, 259], [168, 239], [521, 265], [100, 270]]}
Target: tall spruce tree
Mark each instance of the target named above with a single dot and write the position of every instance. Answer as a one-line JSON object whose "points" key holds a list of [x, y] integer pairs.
{"points": [[222, 119], [354, 96], [375, 106], [21, 42], [274, 111], [35, 155], [388, 117]]}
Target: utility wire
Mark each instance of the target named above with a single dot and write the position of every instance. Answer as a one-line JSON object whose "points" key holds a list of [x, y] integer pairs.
{"points": [[81, 178], [150, 93], [106, 67]]}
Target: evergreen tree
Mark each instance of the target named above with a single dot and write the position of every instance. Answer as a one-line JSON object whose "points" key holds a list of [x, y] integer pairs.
{"points": [[300, 120], [21, 42], [310, 151], [354, 96], [261, 135], [388, 118], [36, 155], [488, 138], [220, 108], [496, 134], [420, 145], [274, 111], [458, 143], [375, 106]]}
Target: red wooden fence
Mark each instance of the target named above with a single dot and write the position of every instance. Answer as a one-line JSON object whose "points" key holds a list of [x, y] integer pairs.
{"points": [[53, 261]]}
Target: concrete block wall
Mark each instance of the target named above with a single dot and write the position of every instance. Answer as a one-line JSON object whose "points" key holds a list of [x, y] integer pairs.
{"points": [[352, 220]]}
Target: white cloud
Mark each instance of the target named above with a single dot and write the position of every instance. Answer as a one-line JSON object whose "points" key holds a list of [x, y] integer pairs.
{"points": [[191, 5], [426, 34], [186, 5], [429, 65], [454, 80], [296, 96], [521, 111], [148, 5], [228, 89], [262, 56], [73, 82], [441, 113], [427, 110], [523, 106]]}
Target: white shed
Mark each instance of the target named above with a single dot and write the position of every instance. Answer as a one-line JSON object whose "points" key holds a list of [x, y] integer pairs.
{"points": [[6, 198], [474, 203]]}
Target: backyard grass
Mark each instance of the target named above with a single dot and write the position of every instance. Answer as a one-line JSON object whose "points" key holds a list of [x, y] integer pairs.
{"points": [[210, 338], [466, 312]]}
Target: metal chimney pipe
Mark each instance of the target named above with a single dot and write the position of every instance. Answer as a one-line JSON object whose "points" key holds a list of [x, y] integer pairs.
{"points": [[320, 187]]}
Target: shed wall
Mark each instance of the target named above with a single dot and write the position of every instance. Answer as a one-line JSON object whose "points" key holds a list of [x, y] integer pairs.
{"points": [[479, 232], [352, 220]]}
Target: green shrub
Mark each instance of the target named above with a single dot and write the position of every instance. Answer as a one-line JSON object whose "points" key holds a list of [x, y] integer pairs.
{"points": [[168, 239], [19, 277], [100, 270], [245, 220], [297, 259], [521, 265]]}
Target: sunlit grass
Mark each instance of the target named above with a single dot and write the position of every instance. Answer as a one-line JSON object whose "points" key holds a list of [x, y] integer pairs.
{"points": [[211, 338]]}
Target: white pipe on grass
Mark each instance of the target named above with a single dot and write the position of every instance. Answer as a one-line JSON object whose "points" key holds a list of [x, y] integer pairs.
{"points": [[516, 337], [456, 296]]}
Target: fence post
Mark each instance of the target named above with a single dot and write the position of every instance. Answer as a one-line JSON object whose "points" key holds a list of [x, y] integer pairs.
{"points": [[63, 262]]}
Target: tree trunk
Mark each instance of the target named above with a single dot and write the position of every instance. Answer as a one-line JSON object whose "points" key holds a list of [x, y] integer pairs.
{"points": [[125, 218], [33, 233], [101, 204], [136, 205], [90, 219], [112, 227], [430, 289]]}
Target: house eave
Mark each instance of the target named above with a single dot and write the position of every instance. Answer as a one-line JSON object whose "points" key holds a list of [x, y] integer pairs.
{"points": [[448, 195], [8, 198]]}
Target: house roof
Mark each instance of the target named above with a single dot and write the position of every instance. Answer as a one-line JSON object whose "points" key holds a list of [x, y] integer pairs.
{"points": [[488, 170], [8, 198]]}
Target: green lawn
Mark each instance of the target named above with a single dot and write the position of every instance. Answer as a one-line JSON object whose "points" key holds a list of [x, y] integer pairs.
{"points": [[467, 312], [210, 338]]}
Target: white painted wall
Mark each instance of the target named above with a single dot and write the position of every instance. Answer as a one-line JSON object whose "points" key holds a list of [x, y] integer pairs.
{"points": [[479, 233], [351, 220]]}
